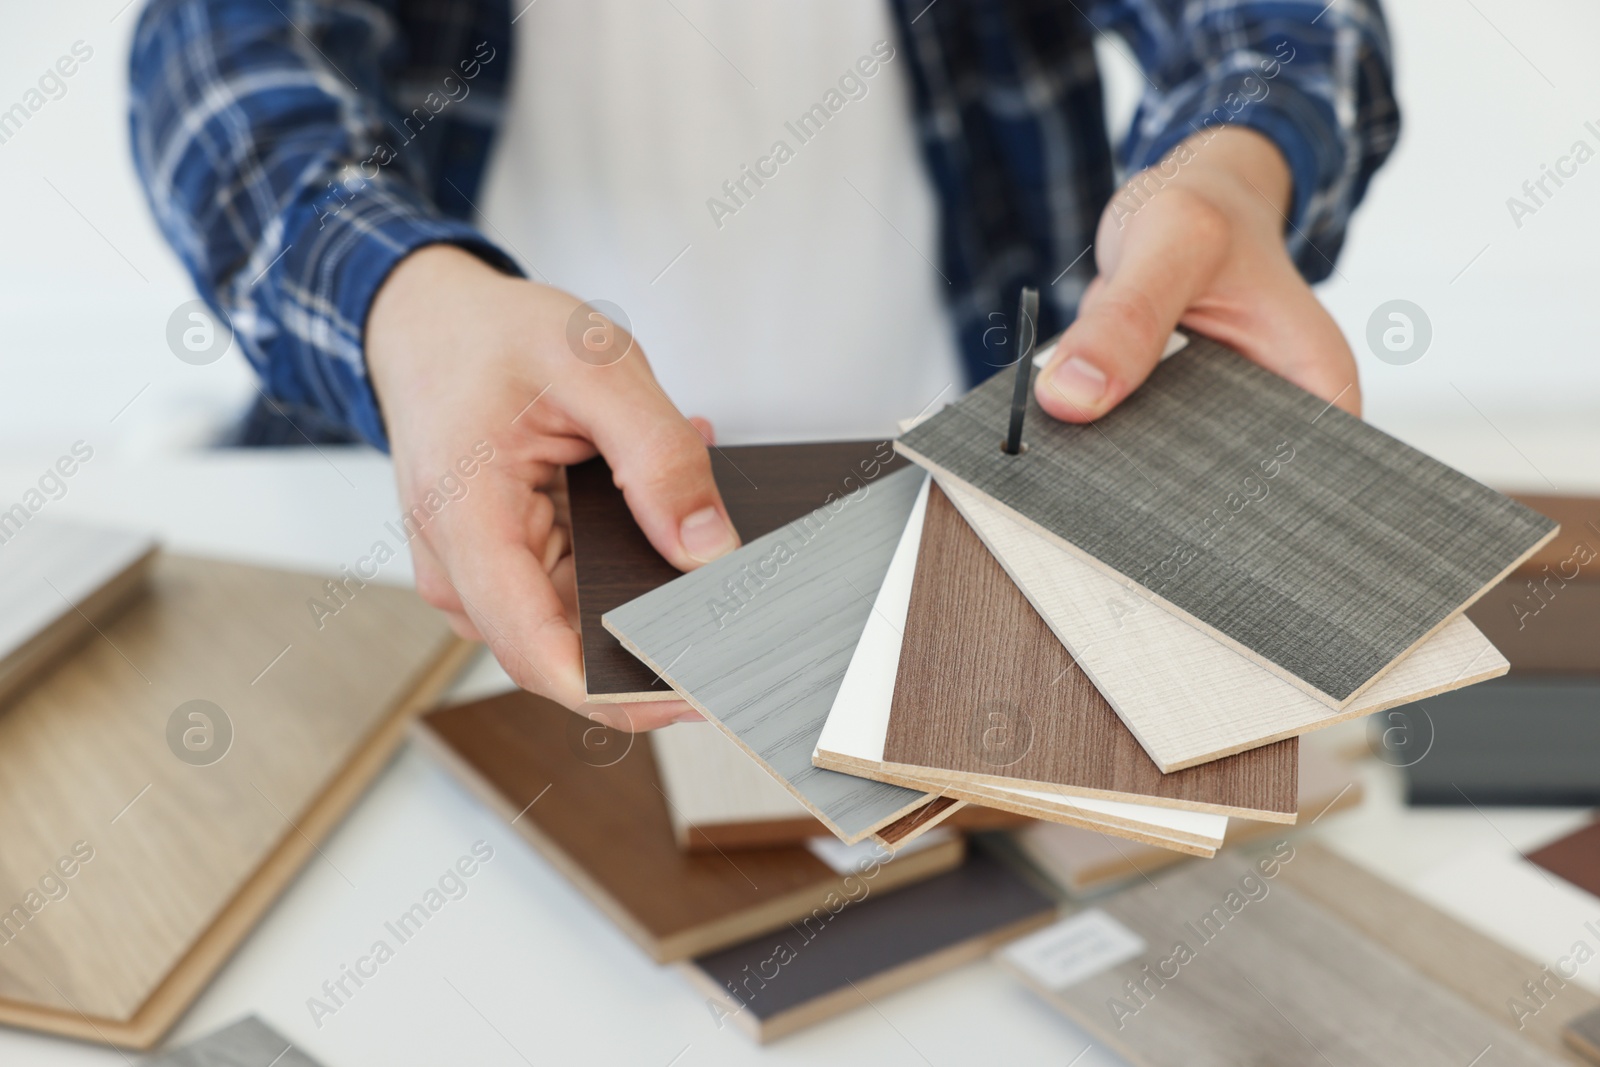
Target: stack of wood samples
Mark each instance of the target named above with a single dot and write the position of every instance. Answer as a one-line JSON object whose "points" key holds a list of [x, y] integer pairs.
{"points": [[1291, 957], [165, 784], [58, 581], [603, 822]]}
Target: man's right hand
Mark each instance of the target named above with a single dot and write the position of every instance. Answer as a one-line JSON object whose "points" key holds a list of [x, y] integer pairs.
{"points": [[458, 353]]}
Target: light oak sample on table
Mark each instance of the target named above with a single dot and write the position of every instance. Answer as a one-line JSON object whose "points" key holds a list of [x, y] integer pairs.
{"points": [[1482, 971], [985, 691], [1301, 536], [186, 858], [1082, 862], [247, 1043], [838, 961], [719, 798], [594, 809], [764, 488], [758, 642], [1268, 976], [852, 739], [1187, 697], [58, 581]]}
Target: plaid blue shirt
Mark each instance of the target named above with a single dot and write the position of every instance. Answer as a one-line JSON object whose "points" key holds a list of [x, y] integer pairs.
{"points": [[294, 151]]}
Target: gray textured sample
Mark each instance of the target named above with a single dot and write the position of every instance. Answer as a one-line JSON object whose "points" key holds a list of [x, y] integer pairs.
{"points": [[1311, 541], [247, 1043], [761, 638]]}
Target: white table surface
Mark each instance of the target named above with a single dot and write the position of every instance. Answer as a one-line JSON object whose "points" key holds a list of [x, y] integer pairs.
{"points": [[522, 970]]}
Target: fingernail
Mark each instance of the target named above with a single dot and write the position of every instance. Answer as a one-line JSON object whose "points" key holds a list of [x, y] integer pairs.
{"points": [[706, 535], [690, 716], [1079, 383]]}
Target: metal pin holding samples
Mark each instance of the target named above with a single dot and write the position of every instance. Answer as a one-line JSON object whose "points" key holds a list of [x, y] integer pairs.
{"points": [[1026, 333]]}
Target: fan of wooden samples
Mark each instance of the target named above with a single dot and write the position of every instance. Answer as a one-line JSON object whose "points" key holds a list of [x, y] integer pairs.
{"points": [[197, 730], [1124, 627]]}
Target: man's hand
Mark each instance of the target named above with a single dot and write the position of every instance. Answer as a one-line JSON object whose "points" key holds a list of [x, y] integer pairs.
{"points": [[1197, 240], [460, 353]]}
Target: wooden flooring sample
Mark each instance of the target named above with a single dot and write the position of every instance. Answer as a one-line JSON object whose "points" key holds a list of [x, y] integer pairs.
{"points": [[183, 766], [764, 487], [1216, 964], [758, 641], [1187, 697], [604, 826], [58, 581], [852, 739], [719, 798], [873, 946], [1082, 862], [1301, 536], [985, 690], [1485, 973], [1575, 857], [1519, 740], [247, 1043], [1543, 626]]}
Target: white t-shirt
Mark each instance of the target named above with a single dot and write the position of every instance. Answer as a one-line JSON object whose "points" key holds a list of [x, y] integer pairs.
{"points": [[743, 180]]}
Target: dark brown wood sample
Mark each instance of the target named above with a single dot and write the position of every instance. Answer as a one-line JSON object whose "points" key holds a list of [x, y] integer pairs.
{"points": [[985, 688], [1574, 553], [1542, 625], [1575, 857], [607, 830], [1303, 537], [763, 487], [835, 961]]}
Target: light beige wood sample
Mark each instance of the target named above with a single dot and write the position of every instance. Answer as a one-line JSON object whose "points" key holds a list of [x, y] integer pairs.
{"points": [[1187, 697], [1083, 862], [1481, 971], [185, 858], [58, 581], [712, 787]]}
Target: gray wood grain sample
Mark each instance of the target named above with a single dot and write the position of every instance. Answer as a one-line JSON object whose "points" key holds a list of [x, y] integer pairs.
{"points": [[247, 1043], [1302, 536], [1274, 980], [760, 639]]}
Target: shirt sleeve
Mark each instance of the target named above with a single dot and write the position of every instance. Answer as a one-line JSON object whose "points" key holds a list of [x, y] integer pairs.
{"points": [[1314, 77], [281, 178]]}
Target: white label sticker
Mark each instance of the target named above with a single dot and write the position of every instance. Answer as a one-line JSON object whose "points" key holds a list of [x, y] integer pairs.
{"points": [[853, 859], [1073, 949]]}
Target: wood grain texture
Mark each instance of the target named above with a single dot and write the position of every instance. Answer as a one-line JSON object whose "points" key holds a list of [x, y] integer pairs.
{"points": [[1300, 535], [1543, 626], [185, 859], [1574, 553], [873, 946], [759, 640], [1187, 697], [1481, 971], [764, 488], [606, 829], [985, 690], [58, 581], [1575, 857], [247, 1043], [852, 739], [1082, 862], [1515, 741], [1274, 980]]}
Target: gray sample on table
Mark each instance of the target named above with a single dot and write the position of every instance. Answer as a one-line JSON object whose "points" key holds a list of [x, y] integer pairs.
{"points": [[247, 1043], [1313, 542], [760, 640]]}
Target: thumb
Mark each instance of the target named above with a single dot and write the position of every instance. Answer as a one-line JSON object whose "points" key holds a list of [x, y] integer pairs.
{"points": [[1123, 326], [659, 460]]}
